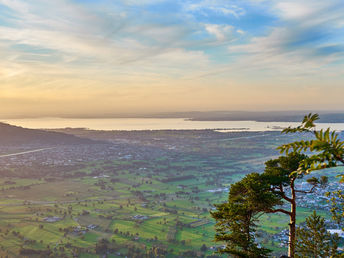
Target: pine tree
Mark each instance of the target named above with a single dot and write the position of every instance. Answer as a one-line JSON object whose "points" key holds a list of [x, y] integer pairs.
{"points": [[313, 240], [236, 218], [204, 248]]}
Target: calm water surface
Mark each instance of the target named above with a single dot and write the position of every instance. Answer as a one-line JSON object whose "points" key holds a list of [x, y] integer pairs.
{"points": [[156, 124]]}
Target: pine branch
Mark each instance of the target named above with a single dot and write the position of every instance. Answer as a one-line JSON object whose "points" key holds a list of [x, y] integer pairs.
{"points": [[279, 210], [307, 192]]}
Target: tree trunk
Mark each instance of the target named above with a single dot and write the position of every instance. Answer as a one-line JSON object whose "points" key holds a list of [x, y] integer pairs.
{"points": [[248, 235], [292, 223]]}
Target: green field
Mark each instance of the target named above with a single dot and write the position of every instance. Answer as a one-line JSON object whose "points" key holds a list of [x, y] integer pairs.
{"points": [[155, 207]]}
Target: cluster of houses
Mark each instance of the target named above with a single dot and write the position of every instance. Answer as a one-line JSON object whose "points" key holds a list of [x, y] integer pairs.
{"points": [[140, 217], [52, 219], [316, 201]]}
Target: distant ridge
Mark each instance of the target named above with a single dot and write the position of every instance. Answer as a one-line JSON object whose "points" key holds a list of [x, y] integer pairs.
{"points": [[15, 135], [272, 116], [259, 116]]}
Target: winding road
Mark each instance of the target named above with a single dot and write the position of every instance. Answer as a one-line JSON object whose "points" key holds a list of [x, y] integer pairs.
{"points": [[24, 152]]}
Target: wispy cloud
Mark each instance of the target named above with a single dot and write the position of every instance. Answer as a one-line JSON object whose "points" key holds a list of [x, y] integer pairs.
{"points": [[118, 48], [78, 34], [221, 32], [207, 7], [308, 34]]}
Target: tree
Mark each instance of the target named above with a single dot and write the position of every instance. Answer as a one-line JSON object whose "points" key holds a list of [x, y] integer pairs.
{"points": [[236, 218], [313, 240], [204, 248], [337, 206], [328, 149], [102, 246], [255, 195], [328, 152], [236, 223], [281, 174]]}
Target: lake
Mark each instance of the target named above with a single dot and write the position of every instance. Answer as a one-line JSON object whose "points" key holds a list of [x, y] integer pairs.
{"points": [[156, 124]]}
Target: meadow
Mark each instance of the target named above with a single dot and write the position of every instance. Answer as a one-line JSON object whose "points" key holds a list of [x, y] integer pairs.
{"points": [[158, 205]]}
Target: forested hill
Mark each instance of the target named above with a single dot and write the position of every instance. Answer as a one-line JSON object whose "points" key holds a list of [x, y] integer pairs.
{"points": [[15, 135]]}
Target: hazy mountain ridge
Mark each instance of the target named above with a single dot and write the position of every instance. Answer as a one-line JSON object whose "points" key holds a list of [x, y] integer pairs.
{"points": [[275, 116], [259, 116], [15, 135]]}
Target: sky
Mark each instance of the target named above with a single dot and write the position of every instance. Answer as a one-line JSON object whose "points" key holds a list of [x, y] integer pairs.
{"points": [[98, 57]]}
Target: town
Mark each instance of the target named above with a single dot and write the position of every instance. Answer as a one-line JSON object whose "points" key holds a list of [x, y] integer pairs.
{"points": [[134, 193]]}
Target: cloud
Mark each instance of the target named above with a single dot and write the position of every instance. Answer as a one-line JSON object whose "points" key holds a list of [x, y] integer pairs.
{"points": [[221, 32], [221, 7], [77, 34], [309, 12], [307, 34], [141, 2], [294, 10], [150, 47]]}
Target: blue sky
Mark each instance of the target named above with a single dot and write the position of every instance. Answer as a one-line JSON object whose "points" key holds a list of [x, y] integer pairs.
{"points": [[98, 56]]}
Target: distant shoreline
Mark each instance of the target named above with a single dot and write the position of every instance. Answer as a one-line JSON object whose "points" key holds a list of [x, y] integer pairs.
{"points": [[152, 124], [218, 116]]}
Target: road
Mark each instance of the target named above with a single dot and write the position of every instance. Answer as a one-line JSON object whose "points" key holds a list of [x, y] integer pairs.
{"points": [[23, 152], [241, 137], [58, 202]]}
